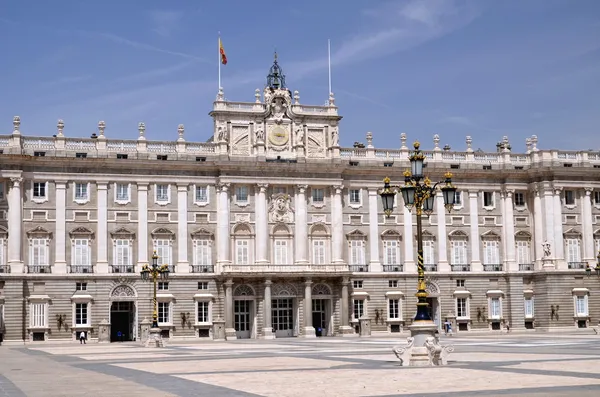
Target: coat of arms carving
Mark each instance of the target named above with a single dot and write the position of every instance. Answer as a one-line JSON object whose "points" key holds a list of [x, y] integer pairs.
{"points": [[280, 209]]}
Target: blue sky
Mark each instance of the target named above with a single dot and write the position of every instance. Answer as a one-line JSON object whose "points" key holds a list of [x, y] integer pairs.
{"points": [[453, 67]]}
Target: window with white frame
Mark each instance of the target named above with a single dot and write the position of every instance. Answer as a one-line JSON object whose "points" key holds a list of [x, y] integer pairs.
{"points": [[202, 252], [391, 252], [163, 251], [581, 305], [318, 252], [122, 193], [569, 197], [318, 196], [201, 195], [495, 308], [462, 308], [38, 252], [459, 252], [82, 192], [241, 194], [242, 252], [529, 306], [38, 314], [163, 285], [428, 252], [354, 196], [458, 199], [394, 309], [40, 190], [357, 252], [203, 285], [358, 308], [164, 313], [488, 199], [81, 316], [573, 245], [80, 254], [280, 252], [162, 193], [357, 284], [122, 252], [519, 199], [203, 312], [491, 252], [523, 252]]}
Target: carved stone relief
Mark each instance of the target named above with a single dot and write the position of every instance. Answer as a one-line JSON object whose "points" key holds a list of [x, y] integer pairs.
{"points": [[280, 209]]}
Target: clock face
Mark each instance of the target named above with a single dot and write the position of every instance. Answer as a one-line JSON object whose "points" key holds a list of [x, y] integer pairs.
{"points": [[279, 136]]}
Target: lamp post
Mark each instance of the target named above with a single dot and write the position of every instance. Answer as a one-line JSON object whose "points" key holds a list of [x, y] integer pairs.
{"points": [[588, 269], [153, 273], [418, 192]]}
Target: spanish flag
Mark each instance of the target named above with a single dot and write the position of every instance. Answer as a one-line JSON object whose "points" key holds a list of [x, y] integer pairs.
{"points": [[222, 52]]}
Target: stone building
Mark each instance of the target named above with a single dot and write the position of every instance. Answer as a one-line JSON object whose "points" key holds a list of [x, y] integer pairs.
{"points": [[274, 228]]}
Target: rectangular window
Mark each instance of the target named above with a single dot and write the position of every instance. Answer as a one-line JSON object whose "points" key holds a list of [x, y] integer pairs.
{"points": [[318, 195], [394, 309], [393, 283], [523, 256], [162, 193], [357, 252], [280, 252], [391, 252], [122, 192], [428, 252], [495, 308], [354, 196], [529, 307], [80, 286], [318, 252], [2, 191], [569, 197], [81, 252], [202, 312], [458, 198], [203, 285], [163, 250], [163, 285], [202, 194], [39, 255], [519, 199], [81, 314], [164, 313], [202, 254], [597, 197], [39, 190], [573, 250], [459, 252], [242, 252], [461, 308], [488, 199], [581, 305], [241, 194], [37, 315], [460, 283], [122, 253], [81, 191], [359, 308], [357, 284], [491, 252]]}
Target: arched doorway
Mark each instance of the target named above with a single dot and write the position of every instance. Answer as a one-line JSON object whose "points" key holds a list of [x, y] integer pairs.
{"points": [[243, 311], [123, 314], [322, 313], [284, 312]]}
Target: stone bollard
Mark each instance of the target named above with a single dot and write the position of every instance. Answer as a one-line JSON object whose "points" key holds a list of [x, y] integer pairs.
{"points": [[104, 331], [144, 330], [365, 326], [219, 329]]}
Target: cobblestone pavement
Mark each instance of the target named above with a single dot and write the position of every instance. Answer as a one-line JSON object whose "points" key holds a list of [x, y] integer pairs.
{"points": [[500, 365]]}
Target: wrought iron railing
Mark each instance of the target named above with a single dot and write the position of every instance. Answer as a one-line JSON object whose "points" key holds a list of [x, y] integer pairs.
{"points": [[492, 267], [82, 269], [4, 268], [576, 265], [525, 267], [393, 268], [431, 267], [358, 268], [203, 269], [460, 268], [38, 269], [122, 268]]}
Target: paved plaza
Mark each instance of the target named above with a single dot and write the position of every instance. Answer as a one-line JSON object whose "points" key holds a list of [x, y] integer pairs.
{"points": [[499, 365]]}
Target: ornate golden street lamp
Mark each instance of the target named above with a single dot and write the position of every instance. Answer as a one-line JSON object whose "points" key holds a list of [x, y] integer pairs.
{"points": [[418, 192], [153, 273], [588, 269]]}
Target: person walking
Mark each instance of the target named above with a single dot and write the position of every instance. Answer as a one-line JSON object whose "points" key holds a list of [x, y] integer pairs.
{"points": [[507, 327], [82, 338]]}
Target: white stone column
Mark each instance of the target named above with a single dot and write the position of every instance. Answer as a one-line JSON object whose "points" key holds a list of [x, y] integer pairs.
{"points": [[223, 226], [374, 262], [229, 323], [337, 221], [476, 265], [409, 246], [15, 226], [309, 330], [183, 264], [508, 226], [60, 228], [443, 265], [345, 328], [142, 236], [559, 246], [548, 209], [589, 254], [538, 226], [301, 225], [262, 224], [102, 228]]}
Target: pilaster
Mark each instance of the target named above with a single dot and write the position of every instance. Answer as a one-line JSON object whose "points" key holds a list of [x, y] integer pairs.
{"points": [[223, 225], [374, 262], [229, 329], [588, 232], [548, 210], [538, 226], [301, 225], [345, 328], [262, 224], [268, 325], [337, 236], [559, 245], [102, 235], [443, 265], [508, 227], [60, 258], [15, 225], [309, 330], [476, 265], [142, 189], [183, 264]]}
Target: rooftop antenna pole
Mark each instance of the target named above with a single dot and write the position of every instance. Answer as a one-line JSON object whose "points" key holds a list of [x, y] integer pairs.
{"points": [[329, 62]]}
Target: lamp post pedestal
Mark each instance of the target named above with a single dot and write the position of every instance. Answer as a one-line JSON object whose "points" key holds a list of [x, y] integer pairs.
{"points": [[420, 331], [155, 338]]}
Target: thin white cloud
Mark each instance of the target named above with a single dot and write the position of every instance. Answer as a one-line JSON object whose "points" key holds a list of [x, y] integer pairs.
{"points": [[165, 22]]}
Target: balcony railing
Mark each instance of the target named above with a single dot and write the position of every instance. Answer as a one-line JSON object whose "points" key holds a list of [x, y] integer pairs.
{"points": [[358, 268], [38, 269], [122, 268], [577, 265], [393, 268], [82, 269], [296, 268], [431, 267], [460, 268], [4, 268], [203, 269], [492, 267], [525, 267]]}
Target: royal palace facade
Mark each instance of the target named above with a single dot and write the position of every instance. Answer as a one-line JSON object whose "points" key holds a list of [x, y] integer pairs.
{"points": [[273, 230]]}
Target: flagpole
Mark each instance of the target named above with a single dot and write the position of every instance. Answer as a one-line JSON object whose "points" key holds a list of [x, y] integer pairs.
{"points": [[219, 59], [329, 62]]}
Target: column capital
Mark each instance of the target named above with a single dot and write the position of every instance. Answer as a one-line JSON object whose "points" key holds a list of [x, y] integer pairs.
{"points": [[588, 191], [508, 193], [308, 282], [182, 187], [268, 282], [262, 187], [223, 186], [473, 193], [557, 189], [141, 186], [102, 185], [338, 188], [301, 188], [374, 191], [61, 183], [345, 280], [16, 181], [228, 282]]}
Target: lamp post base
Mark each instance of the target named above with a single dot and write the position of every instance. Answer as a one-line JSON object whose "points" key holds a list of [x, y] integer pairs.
{"points": [[154, 338], [423, 348]]}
